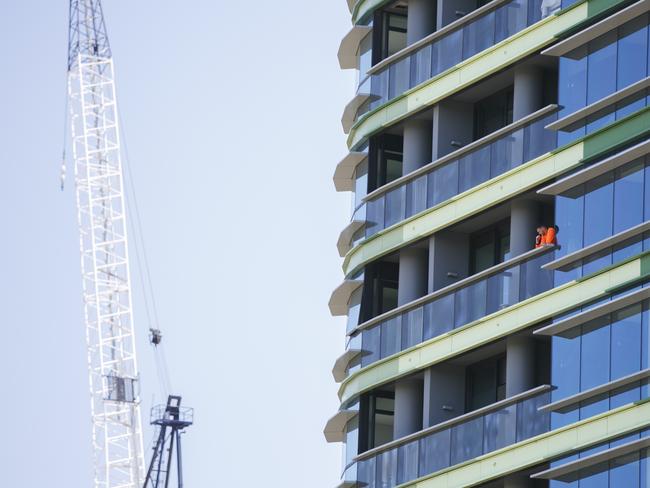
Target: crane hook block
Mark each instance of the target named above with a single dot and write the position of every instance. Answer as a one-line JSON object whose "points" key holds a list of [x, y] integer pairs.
{"points": [[155, 336]]}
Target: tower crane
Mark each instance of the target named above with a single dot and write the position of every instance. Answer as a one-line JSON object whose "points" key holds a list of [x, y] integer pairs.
{"points": [[106, 284]]}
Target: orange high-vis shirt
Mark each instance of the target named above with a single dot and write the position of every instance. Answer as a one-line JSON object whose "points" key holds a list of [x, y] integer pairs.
{"points": [[550, 238]]}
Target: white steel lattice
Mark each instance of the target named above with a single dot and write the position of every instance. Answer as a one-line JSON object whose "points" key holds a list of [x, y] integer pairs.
{"points": [[113, 373]]}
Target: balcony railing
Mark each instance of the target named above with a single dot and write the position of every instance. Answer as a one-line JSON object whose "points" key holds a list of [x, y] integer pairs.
{"points": [[446, 48], [454, 306], [459, 171], [455, 441]]}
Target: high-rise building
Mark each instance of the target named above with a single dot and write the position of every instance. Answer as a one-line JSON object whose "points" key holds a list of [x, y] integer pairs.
{"points": [[482, 350]]}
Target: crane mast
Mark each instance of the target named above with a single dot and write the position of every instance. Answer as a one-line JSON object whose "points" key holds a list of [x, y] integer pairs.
{"points": [[95, 140]]}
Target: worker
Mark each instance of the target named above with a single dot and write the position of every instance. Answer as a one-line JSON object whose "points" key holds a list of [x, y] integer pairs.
{"points": [[546, 235]]}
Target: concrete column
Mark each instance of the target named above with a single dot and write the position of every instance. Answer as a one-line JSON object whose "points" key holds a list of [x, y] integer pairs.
{"points": [[448, 259], [453, 124], [528, 91], [444, 393], [417, 145], [524, 219], [517, 481], [421, 20], [408, 407], [452, 10], [413, 269], [520, 364]]}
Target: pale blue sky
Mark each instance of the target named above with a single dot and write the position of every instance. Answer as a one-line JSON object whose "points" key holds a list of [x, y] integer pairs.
{"points": [[231, 112]]}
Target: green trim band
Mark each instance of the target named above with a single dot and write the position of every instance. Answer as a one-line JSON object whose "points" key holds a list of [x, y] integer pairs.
{"points": [[363, 8], [541, 449], [492, 327]]}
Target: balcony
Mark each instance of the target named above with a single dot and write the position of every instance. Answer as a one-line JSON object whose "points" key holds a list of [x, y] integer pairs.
{"points": [[459, 171], [453, 307], [453, 442]]}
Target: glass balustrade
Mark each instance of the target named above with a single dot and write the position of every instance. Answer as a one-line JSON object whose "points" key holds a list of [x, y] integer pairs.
{"points": [[440, 448], [447, 50], [453, 177], [459, 306]]}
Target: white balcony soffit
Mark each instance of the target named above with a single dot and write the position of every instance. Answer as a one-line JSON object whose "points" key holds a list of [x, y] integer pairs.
{"points": [[341, 364], [592, 249], [350, 111], [344, 172], [564, 48], [341, 296], [350, 46], [344, 243], [334, 430], [591, 172], [591, 314], [347, 484], [594, 459]]}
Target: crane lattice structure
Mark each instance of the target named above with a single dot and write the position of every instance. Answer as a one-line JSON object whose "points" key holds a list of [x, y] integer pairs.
{"points": [[113, 372]]}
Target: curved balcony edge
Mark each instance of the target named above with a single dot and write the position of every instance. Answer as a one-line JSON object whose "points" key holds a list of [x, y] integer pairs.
{"points": [[350, 110], [344, 173], [362, 8], [334, 430], [493, 327], [344, 242], [338, 303], [339, 370]]}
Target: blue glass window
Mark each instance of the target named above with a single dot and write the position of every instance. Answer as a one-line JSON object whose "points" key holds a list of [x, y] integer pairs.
{"points": [[628, 197], [598, 209], [595, 354]]}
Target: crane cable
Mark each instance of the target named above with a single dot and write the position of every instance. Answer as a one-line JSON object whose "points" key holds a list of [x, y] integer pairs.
{"points": [[142, 264], [66, 116], [135, 227]]}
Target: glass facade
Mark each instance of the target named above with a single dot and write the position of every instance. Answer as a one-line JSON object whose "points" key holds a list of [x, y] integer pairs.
{"points": [[611, 203], [596, 353], [628, 471], [606, 65]]}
